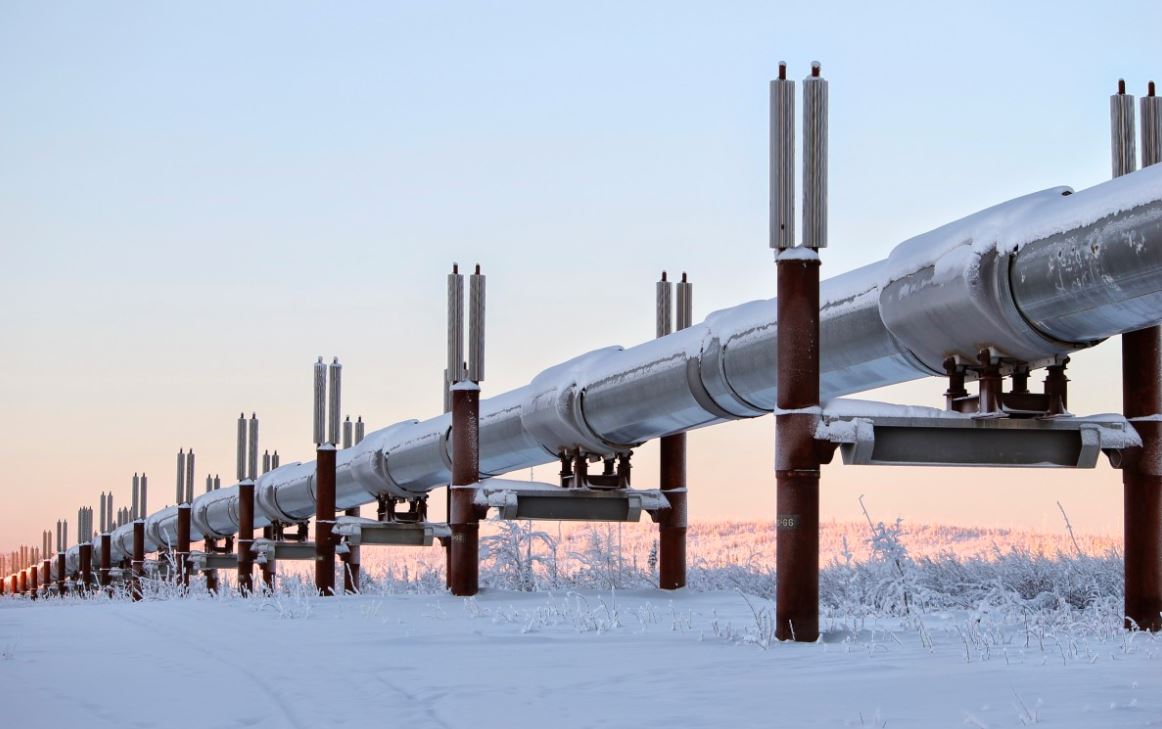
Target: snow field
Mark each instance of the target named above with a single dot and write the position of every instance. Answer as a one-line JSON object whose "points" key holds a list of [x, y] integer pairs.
{"points": [[568, 634]]}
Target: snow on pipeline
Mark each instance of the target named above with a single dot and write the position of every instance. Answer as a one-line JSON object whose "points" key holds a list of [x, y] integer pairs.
{"points": [[1025, 630]]}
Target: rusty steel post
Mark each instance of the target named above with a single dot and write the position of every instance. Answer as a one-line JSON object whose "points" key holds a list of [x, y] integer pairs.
{"points": [[85, 556], [672, 521], [796, 458], [464, 562], [62, 582], [182, 555], [106, 563], [351, 561], [245, 537], [268, 567], [32, 588], [1142, 479], [138, 567], [672, 455], [210, 546], [23, 582], [325, 520]]}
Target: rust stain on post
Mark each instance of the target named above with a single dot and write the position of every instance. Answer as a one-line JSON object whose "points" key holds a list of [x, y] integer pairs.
{"points": [[464, 553], [796, 457], [325, 521]]}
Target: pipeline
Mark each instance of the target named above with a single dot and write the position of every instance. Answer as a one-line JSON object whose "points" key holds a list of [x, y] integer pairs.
{"points": [[1035, 279]]}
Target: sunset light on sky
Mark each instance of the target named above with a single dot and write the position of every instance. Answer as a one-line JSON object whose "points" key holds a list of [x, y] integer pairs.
{"points": [[197, 201]]}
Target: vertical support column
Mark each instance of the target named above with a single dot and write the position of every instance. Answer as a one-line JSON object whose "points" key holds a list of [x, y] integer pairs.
{"points": [[464, 562], [796, 457], [106, 562], [325, 519], [325, 485], [672, 466], [32, 582], [352, 434], [138, 567], [268, 568], [245, 510], [85, 557], [246, 537], [351, 560], [1141, 398], [182, 554], [464, 518]]}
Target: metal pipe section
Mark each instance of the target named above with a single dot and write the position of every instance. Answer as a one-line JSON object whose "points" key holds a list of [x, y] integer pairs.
{"points": [[1042, 276], [240, 444], [664, 315], [334, 376], [1151, 121], [319, 412], [189, 482], [782, 165], [1123, 154], [815, 159], [181, 481], [252, 438], [455, 325], [476, 326]]}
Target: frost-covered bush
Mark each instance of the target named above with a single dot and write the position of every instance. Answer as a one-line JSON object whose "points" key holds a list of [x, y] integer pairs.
{"points": [[519, 558], [870, 570]]}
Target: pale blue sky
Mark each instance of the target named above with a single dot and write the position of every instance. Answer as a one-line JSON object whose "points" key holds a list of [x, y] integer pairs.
{"points": [[196, 200]]}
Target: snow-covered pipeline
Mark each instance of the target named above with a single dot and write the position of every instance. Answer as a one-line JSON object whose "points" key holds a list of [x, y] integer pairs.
{"points": [[1035, 278]]}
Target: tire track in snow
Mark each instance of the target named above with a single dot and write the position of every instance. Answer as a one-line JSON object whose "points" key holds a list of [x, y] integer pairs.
{"points": [[425, 707], [271, 694]]}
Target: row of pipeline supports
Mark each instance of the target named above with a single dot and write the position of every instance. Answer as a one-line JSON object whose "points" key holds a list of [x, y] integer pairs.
{"points": [[800, 449], [460, 535]]}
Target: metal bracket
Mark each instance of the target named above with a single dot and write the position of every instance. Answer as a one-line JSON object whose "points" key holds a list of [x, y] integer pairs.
{"points": [[213, 561], [927, 437], [267, 549], [539, 500], [357, 530]]}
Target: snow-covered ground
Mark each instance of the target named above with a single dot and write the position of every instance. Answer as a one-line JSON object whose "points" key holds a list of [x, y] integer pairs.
{"points": [[924, 626], [570, 659]]}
